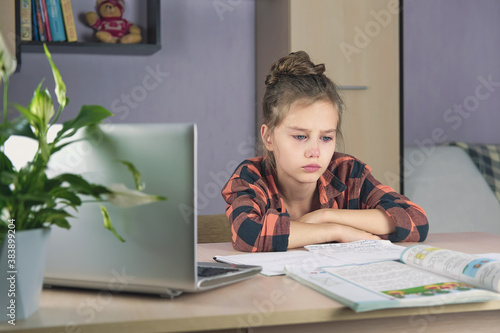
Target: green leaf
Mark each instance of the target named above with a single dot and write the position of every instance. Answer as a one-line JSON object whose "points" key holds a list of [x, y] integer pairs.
{"points": [[42, 106], [60, 89], [35, 199], [19, 126], [5, 165], [135, 173], [50, 214], [88, 115], [63, 223], [7, 175], [6, 179], [76, 182], [107, 222], [7, 61], [72, 199], [4, 199], [80, 185], [51, 185], [55, 149], [31, 118]]}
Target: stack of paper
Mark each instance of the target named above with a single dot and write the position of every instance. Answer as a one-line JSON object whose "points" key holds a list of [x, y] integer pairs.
{"points": [[337, 254]]}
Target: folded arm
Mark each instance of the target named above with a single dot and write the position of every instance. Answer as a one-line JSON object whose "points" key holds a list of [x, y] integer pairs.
{"points": [[302, 233]]}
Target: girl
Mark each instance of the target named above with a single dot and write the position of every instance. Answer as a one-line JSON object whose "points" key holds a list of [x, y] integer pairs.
{"points": [[303, 192]]}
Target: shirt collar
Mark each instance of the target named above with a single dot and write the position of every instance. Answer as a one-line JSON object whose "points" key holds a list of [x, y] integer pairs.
{"points": [[329, 185]]}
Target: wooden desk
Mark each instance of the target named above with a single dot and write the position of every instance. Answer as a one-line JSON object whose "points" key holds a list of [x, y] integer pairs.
{"points": [[263, 304]]}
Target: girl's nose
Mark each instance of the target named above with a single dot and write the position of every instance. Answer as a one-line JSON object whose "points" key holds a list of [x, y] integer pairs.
{"points": [[312, 151]]}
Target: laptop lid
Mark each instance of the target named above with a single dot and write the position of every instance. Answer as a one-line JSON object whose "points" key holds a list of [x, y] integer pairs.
{"points": [[160, 249]]}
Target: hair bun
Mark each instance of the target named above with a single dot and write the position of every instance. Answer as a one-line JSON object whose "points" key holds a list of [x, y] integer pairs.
{"points": [[294, 64]]}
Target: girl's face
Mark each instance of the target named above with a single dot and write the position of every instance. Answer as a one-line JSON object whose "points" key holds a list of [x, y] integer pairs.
{"points": [[304, 143]]}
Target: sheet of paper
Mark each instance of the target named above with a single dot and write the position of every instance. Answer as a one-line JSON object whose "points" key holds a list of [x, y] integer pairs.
{"points": [[273, 263], [359, 252]]}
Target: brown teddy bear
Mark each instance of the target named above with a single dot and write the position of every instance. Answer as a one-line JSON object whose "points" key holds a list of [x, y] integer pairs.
{"points": [[110, 26]]}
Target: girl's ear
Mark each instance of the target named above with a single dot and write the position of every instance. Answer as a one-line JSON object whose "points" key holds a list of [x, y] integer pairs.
{"points": [[265, 134]]}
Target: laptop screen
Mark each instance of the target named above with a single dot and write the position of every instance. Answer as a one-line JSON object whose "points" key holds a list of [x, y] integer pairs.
{"points": [[160, 247]]}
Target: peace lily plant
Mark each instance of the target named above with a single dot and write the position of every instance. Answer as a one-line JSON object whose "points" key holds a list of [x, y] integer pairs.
{"points": [[28, 197]]}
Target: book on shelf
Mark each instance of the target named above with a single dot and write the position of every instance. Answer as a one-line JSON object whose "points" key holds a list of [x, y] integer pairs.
{"points": [[69, 20], [424, 276], [55, 20], [45, 20], [34, 24], [25, 20], [39, 21]]}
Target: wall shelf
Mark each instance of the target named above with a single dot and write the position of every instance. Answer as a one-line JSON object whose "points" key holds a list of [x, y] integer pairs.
{"points": [[151, 42], [90, 48]]}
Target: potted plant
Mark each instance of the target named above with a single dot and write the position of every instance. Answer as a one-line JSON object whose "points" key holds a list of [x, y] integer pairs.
{"points": [[31, 201]]}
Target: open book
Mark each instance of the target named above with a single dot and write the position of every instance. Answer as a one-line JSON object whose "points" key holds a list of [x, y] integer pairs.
{"points": [[333, 254], [425, 276]]}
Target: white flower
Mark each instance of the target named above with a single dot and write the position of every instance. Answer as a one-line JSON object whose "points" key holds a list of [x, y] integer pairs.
{"points": [[7, 62], [122, 196]]}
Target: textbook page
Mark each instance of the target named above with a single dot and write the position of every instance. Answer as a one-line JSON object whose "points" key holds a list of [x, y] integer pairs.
{"points": [[387, 284], [273, 263], [359, 252], [350, 294], [479, 270]]}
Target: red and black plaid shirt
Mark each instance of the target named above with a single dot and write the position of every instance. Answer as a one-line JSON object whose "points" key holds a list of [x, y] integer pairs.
{"points": [[259, 219]]}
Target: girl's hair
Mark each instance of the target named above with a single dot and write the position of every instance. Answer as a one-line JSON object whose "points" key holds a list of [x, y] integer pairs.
{"points": [[295, 78]]}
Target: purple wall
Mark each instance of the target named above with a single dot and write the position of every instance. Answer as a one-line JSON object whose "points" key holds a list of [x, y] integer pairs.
{"points": [[207, 66], [451, 51]]}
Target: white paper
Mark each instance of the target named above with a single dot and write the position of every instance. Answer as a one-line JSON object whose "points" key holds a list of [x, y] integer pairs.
{"points": [[273, 263], [490, 255], [353, 295], [385, 276], [359, 252]]}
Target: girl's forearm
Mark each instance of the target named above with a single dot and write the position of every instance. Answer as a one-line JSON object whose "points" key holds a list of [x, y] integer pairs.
{"points": [[375, 221], [314, 233], [305, 233]]}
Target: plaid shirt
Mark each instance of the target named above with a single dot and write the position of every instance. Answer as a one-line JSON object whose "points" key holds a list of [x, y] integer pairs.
{"points": [[260, 222]]}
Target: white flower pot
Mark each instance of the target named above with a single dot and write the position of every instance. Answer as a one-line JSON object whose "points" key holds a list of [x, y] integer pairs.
{"points": [[21, 280]]}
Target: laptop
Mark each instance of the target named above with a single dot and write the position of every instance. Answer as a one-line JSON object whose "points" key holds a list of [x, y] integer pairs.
{"points": [[159, 252]]}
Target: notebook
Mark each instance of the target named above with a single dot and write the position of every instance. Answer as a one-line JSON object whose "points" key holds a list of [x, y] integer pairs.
{"points": [[159, 255]]}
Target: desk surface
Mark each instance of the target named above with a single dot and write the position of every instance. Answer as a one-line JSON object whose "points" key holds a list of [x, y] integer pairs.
{"points": [[259, 301]]}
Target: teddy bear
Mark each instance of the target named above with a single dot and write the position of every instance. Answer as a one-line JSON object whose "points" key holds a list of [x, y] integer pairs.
{"points": [[110, 26]]}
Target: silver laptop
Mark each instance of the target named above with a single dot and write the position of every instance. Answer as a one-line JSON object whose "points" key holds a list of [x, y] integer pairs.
{"points": [[159, 255]]}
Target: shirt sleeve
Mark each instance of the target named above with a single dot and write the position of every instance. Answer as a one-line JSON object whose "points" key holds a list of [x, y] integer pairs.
{"points": [[411, 220], [257, 225]]}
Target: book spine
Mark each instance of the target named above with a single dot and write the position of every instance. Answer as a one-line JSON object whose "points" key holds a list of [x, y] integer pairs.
{"points": [[55, 20], [69, 20], [33, 21], [39, 20], [45, 18], [25, 20]]}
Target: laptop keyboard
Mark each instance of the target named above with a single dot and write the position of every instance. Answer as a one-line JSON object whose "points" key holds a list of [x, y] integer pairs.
{"points": [[214, 271]]}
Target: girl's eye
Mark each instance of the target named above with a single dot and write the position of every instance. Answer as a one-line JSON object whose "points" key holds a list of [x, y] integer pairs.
{"points": [[326, 139], [299, 137]]}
